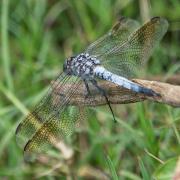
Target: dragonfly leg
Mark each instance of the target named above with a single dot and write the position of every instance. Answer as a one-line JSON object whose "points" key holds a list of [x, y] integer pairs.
{"points": [[88, 93], [102, 91]]}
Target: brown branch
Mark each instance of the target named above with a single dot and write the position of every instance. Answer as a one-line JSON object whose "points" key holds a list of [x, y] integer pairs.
{"points": [[169, 94], [174, 79]]}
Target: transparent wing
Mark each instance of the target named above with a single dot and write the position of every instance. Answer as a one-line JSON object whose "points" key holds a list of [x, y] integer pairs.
{"points": [[52, 133], [126, 59], [47, 114], [115, 37]]}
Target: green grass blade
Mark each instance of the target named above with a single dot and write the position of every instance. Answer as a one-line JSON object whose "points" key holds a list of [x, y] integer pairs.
{"points": [[5, 46], [112, 168], [17, 103], [144, 171]]}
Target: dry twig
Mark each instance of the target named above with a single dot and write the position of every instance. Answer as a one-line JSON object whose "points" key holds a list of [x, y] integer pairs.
{"points": [[169, 94]]}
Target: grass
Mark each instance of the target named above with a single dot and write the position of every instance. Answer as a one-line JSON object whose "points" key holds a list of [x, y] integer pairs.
{"points": [[36, 37], [5, 46]]}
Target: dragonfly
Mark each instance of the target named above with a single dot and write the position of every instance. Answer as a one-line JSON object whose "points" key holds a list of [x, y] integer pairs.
{"points": [[116, 57]]}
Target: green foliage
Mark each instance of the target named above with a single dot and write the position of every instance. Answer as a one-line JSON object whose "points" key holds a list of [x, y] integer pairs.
{"points": [[36, 37], [165, 171], [112, 169]]}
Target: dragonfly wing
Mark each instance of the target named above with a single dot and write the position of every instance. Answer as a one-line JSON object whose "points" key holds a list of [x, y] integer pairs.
{"points": [[116, 36], [52, 133], [126, 59], [47, 110]]}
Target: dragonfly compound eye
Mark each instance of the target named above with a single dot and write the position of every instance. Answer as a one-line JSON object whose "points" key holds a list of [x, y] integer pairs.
{"points": [[67, 66]]}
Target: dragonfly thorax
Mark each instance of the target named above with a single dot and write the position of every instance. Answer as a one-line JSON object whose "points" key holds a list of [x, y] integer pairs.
{"points": [[81, 65]]}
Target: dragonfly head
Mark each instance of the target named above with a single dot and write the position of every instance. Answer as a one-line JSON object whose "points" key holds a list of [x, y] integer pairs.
{"points": [[67, 66]]}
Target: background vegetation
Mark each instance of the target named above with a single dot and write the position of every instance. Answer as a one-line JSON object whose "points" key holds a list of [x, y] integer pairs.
{"points": [[36, 37]]}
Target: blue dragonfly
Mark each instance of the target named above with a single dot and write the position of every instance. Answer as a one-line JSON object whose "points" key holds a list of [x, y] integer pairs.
{"points": [[116, 57]]}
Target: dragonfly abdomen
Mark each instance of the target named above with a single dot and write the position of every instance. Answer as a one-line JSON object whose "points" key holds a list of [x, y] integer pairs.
{"points": [[102, 73]]}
